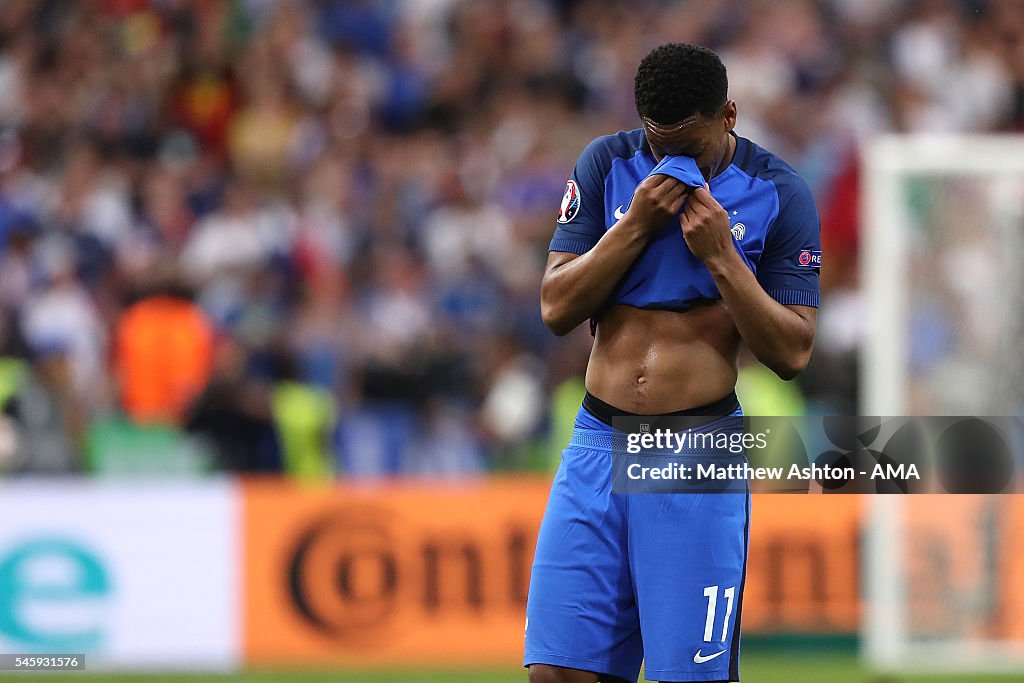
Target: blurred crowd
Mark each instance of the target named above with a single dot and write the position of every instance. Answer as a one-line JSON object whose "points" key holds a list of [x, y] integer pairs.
{"points": [[262, 236]]}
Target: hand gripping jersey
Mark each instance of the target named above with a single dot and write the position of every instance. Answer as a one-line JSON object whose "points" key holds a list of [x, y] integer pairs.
{"points": [[774, 224], [683, 169]]}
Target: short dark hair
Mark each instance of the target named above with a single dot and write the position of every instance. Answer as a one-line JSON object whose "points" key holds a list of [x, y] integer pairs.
{"points": [[677, 80]]}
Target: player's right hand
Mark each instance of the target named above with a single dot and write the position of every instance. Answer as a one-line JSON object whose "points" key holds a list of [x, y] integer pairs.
{"points": [[656, 200]]}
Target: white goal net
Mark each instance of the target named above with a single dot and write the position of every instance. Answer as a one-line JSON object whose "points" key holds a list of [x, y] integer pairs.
{"points": [[942, 268]]}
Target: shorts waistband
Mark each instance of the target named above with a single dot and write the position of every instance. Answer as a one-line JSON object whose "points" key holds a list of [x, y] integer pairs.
{"points": [[617, 441], [723, 407]]}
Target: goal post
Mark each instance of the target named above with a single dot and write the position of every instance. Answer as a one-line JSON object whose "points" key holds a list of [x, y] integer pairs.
{"points": [[894, 243], [942, 276]]}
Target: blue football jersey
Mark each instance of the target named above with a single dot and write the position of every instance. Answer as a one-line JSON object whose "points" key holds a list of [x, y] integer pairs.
{"points": [[773, 217]]}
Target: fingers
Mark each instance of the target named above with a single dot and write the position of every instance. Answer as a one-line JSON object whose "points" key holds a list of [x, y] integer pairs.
{"points": [[662, 182], [661, 195], [677, 191], [690, 211], [661, 191], [703, 196], [657, 181], [704, 206], [677, 197]]}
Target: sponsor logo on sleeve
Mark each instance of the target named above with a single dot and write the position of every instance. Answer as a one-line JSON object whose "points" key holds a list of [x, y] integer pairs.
{"points": [[570, 202], [809, 259]]}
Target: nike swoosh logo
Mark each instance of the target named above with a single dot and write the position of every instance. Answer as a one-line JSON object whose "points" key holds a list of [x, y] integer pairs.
{"points": [[618, 213], [700, 659]]}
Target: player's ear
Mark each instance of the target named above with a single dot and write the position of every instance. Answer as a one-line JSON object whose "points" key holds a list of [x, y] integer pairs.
{"points": [[729, 118]]}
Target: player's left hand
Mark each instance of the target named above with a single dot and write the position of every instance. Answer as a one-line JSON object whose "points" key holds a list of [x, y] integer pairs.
{"points": [[705, 226]]}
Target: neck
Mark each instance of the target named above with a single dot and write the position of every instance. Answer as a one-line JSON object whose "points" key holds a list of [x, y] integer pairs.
{"points": [[727, 156]]}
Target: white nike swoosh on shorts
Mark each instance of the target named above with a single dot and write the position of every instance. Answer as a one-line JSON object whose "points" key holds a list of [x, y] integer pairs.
{"points": [[700, 659]]}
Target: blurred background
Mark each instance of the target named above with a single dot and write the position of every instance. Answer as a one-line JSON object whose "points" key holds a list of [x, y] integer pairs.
{"points": [[304, 240]]}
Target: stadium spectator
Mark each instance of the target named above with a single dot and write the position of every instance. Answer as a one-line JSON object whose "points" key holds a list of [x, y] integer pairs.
{"points": [[162, 356]]}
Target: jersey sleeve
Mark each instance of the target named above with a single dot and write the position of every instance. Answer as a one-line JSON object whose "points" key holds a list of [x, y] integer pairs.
{"points": [[580, 222], [790, 263]]}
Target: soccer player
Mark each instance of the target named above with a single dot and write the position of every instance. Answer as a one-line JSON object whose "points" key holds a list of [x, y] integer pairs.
{"points": [[672, 277]]}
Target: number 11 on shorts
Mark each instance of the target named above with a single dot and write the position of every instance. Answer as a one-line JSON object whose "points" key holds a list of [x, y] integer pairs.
{"points": [[711, 593]]}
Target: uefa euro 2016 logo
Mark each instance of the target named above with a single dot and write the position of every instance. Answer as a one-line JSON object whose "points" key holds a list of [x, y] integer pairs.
{"points": [[570, 202]]}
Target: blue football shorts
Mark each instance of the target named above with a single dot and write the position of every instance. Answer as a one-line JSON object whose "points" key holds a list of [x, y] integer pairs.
{"points": [[624, 579]]}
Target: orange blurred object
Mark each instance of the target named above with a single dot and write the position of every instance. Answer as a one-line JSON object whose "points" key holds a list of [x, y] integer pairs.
{"points": [[163, 355]]}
